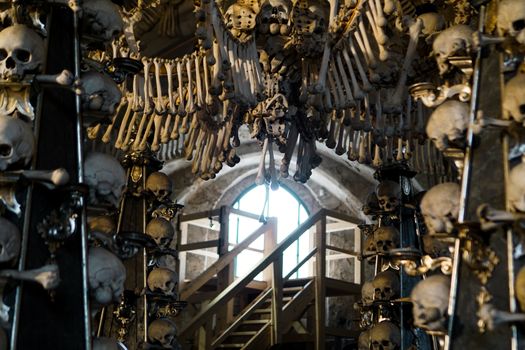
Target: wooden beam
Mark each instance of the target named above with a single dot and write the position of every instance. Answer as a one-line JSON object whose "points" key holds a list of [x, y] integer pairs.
{"points": [[277, 300], [226, 274], [200, 215], [320, 292], [244, 213], [340, 216], [300, 264]]}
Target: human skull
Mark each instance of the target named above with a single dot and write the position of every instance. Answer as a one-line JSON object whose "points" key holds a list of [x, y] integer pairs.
{"points": [[309, 17], [102, 19], [162, 280], [103, 343], [161, 230], [367, 293], [107, 275], [21, 52], [160, 185], [16, 142], [435, 247], [162, 332], [430, 302], [514, 98], [104, 224], [433, 23], [99, 93], [388, 195], [511, 19], [448, 124], [363, 342], [440, 208], [386, 238], [516, 188], [386, 285], [385, 336], [105, 177], [454, 41], [274, 17], [9, 241]]}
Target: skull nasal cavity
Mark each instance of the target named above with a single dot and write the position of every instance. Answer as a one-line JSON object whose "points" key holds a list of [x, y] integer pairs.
{"points": [[5, 150], [519, 24], [10, 63]]}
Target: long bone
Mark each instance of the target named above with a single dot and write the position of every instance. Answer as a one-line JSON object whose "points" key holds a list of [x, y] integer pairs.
{"points": [[491, 317], [132, 102], [377, 161], [148, 109], [190, 107], [136, 108], [261, 171], [323, 70], [361, 37], [207, 93], [201, 140], [377, 31], [49, 178], [181, 111], [364, 79], [145, 127], [198, 82], [330, 142], [274, 183], [216, 87], [340, 149], [395, 100], [291, 142], [350, 102], [334, 89], [217, 150], [357, 92], [189, 143], [106, 137], [47, 276], [208, 155], [353, 153], [343, 98], [169, 65]]}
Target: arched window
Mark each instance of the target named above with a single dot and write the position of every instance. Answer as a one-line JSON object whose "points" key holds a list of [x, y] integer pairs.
{"points": [[290, 213]]}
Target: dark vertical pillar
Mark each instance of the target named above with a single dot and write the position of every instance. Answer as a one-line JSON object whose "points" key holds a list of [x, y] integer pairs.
{"points": [[487, 185], [55, 320]]}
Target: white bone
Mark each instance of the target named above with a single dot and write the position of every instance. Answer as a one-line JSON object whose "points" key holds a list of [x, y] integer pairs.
{"points": [[64, 78], [364, 79], [358, 93], [47, 276], [261, 172], [274, 183]]}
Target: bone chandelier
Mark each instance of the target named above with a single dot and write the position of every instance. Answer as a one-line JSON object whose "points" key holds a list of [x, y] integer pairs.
{"points": [[297, 74]]}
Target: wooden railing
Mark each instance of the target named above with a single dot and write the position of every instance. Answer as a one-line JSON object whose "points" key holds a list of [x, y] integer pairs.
{"points": [[203, 321]]}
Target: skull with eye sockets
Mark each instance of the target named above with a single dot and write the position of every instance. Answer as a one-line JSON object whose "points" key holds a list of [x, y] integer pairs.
{"points": [[386, 285], [388, 195], [21, 52], [386, 238]]}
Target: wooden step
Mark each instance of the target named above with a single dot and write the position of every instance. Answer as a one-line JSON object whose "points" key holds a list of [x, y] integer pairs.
{"points": [[243, 334], [262, 311], [231, 346], [254, 322]]}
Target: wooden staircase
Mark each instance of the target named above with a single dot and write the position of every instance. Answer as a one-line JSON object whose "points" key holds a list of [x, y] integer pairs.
{"points": [[284, 306]]}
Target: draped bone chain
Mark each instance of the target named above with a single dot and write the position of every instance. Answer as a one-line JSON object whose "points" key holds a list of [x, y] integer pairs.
{"points": [[351, 81]]}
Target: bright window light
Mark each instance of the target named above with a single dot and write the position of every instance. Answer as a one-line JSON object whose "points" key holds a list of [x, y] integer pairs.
{"points": [[290, 213]]}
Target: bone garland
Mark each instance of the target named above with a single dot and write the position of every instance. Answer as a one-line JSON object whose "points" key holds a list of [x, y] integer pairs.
{"points": [[132, 101], [169, 65]]}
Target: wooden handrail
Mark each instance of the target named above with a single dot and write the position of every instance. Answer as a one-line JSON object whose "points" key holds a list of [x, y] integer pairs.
{"points": [[240, 283], [198, 245], [224, 261], [301, 263]]}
